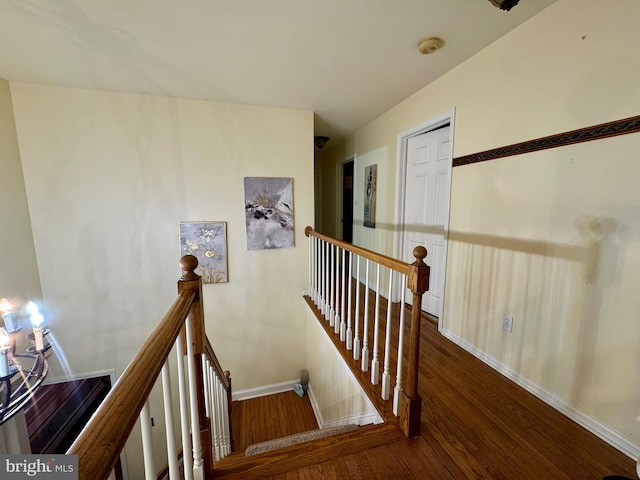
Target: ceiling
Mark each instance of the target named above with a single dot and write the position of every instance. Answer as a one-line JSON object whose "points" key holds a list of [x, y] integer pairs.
{"points": [[348, 61]]}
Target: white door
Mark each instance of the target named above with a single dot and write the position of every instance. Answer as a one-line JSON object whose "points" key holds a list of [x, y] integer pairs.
{"points": [[426, 208]]}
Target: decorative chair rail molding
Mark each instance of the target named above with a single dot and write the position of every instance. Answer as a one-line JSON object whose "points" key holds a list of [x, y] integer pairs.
{"points": [[335, 281], [597, 132], [204, 395]]}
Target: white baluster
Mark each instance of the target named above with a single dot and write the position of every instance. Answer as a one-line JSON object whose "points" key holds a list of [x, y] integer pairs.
{"points": [[356, 340], [225, 415], [172, 451], [321, 276], [219, 417], [327, 272], [319, 273], [211, 405], [375, 366], [147, 442], [386, 377], [325, 277], [399, 381], [310, 289], [349, 332], [332, 287], [206, 385], [336, 319], [187, 459], [198, 462], [316, 272], [343, 324], [365, 327], [314, 263]]}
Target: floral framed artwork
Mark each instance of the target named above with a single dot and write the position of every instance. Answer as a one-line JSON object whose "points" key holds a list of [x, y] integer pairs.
{"points": [[207, 241], [268, 206]]}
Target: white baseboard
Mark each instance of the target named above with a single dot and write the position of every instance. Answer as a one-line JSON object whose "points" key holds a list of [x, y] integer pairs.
{"points": [[264, 390], [364, 418], [583, 419], [51, 379]]}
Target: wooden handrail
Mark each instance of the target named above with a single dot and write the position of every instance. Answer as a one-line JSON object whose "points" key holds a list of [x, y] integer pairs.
{"points": [[389, 262], [99, 445]]}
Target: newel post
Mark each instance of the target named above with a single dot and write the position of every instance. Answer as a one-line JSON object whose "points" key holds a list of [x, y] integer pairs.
{"points": [[192, 281], [418, 283]]}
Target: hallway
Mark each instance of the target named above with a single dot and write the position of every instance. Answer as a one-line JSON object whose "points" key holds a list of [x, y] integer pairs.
{"points": [[475, 424]]}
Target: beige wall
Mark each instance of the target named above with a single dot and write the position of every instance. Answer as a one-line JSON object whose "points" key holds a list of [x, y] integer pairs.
{"points": [[109, 177], [19, 279], [337, 398], [553, 237]]}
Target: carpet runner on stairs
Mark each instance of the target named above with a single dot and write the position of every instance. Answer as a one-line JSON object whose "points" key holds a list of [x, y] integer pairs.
{"points": [[289, 440]]}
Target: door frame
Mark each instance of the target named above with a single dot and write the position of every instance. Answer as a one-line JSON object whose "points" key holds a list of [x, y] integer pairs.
{"points": [[447, 117], [339, 196]]}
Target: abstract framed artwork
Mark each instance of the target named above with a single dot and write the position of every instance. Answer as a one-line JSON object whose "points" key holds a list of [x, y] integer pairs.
{"points": [[370, 186], [207, 241], [268, 205]]}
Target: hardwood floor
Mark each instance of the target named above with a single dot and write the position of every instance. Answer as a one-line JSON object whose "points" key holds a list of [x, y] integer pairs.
{"points": [[475, 424], [273, 416]]}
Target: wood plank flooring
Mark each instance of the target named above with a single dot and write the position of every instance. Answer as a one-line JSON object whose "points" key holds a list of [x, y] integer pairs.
{"points": [[269, 417], [476, 424]]}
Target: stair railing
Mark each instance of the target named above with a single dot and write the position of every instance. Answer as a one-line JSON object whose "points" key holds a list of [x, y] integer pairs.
{"points": [[204, 389], [343, 291]]}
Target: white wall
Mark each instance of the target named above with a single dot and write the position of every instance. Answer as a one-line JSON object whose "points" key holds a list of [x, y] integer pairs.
{"points": [[552, 237], [19, 279]]}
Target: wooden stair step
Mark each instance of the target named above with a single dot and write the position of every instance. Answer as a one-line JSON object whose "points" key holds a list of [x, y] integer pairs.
{"points": [[297, 438], [275, 462]]}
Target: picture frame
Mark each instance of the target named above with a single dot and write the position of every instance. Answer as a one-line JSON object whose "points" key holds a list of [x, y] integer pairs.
{"points": [[207, 241], [268, 204], [370, 188]]}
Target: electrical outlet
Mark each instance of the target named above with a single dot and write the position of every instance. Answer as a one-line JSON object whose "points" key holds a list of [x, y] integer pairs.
{"points": [[507, 323]]}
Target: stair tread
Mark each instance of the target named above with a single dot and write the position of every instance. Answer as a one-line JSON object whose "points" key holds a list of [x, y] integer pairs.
{"points": [[296, 438]]}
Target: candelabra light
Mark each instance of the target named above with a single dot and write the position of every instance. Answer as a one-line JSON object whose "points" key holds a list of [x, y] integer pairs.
{"points": [[20, 373]]}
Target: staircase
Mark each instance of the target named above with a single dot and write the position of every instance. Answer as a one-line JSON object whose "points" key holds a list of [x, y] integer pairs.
{"points": [[285, 418], [333, 288]]}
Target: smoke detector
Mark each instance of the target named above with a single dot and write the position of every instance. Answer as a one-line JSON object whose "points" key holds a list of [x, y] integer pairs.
{"points": [[430, 45]]}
